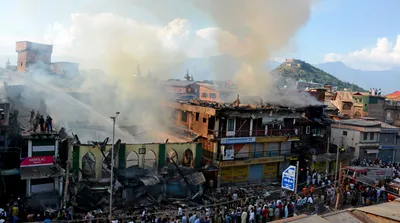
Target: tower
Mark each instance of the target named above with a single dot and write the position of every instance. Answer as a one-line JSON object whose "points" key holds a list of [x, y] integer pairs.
{"points": [[187, 76], [33, 56], [8, 64]]}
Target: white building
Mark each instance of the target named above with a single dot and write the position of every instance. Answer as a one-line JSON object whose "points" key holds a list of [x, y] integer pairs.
{"points": [[358, 136]]}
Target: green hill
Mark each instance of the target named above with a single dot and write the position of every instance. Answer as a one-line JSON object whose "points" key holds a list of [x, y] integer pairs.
{"points": [[295, 70]]}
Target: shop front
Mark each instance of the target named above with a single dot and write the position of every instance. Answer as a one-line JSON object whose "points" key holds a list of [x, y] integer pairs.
{"points": [[254, 169], [41, 174], [386, 153]]}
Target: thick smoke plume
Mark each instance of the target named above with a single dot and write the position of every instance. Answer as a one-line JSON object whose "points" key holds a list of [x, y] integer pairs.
{"points": [[251, 33], [117, 45], [131, 59]]}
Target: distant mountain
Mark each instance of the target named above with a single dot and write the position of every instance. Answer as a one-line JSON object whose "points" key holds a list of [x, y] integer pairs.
{"points": [[295, 70], [387, 80]]}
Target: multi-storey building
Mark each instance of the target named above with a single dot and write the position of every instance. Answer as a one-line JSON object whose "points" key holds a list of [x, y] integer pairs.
{"points": [[33, 56], [359, 104], [392, 108], [249, 142], [358, 137]]}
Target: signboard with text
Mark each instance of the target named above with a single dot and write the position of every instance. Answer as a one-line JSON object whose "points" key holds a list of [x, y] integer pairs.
{"points": [[289, 178], [252, 161], [37, 161], [238, 140]]}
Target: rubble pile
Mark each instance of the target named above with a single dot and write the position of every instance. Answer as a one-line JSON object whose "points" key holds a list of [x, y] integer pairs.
{"points": [[136, 188]]}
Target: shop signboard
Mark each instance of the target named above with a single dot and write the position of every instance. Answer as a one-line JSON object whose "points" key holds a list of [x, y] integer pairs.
{"points": [[252, 161], [37, 161], [238, 140]]}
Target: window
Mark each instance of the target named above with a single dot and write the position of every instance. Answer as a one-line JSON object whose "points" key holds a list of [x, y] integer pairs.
{"points": [[231, 125], [346, 107], [22, 64], [314, 132], [204, 95], [183, 116], [197, 116], [213, 95], [388, 116], [204, 120], [365, 136], [371, 136], [345, 133], [308, 130]]}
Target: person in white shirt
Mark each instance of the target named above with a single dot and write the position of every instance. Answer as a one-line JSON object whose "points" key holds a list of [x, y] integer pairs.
{"points": [[310, 200], [180, 212], [252, 216], [235, 196], [244, 217]]}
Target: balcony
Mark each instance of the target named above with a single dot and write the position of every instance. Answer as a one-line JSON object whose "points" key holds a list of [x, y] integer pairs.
{"points": [[253, 133]]}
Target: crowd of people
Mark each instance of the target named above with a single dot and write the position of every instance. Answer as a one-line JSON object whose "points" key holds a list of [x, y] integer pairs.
{"points": [[316, 193], [39, 122], [375, 91]]}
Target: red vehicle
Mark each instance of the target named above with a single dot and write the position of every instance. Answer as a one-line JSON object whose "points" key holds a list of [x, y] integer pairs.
{"points": [[368, 175], [394, 192]]}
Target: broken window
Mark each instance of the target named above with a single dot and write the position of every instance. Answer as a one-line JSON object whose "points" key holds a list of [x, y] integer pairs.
{"points": [[183, 116], [89, 166]]}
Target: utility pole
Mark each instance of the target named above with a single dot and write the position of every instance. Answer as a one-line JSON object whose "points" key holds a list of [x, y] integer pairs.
{"points": [[112, 166], [337, 156], [327, 151], [67, 173]]}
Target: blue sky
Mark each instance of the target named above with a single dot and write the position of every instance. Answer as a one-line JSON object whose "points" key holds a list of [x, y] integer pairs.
{"points": [[341, 26], [335, 29]]}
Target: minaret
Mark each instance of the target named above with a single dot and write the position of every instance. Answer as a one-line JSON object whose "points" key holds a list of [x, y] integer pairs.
{"points": [[191, 78], [187, 76], [8, 64]]}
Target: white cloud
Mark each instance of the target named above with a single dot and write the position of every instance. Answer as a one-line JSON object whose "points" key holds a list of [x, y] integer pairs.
{"points": [[385, 55], [96, 31]]}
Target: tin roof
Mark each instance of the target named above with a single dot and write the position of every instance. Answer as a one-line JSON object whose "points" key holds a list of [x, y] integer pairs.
{"points": [[387, 210], [359, 122]]}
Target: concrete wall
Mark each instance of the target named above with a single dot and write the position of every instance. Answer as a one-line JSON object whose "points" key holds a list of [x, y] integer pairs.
{"points": [[155, 156], [30, 53], [352, 139]]}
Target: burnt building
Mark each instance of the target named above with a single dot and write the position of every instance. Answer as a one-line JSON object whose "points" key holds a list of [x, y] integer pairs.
{"points": [[68, 69], [33, 56], [250, 141]]}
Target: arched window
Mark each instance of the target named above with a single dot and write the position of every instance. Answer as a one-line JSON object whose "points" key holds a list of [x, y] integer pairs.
{"points": [[89, 166], [150, 160], [132, 159], [187, 158]]}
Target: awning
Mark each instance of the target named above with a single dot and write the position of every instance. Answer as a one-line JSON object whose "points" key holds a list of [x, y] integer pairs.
{"points": [[39, 172], [371, 151]]}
